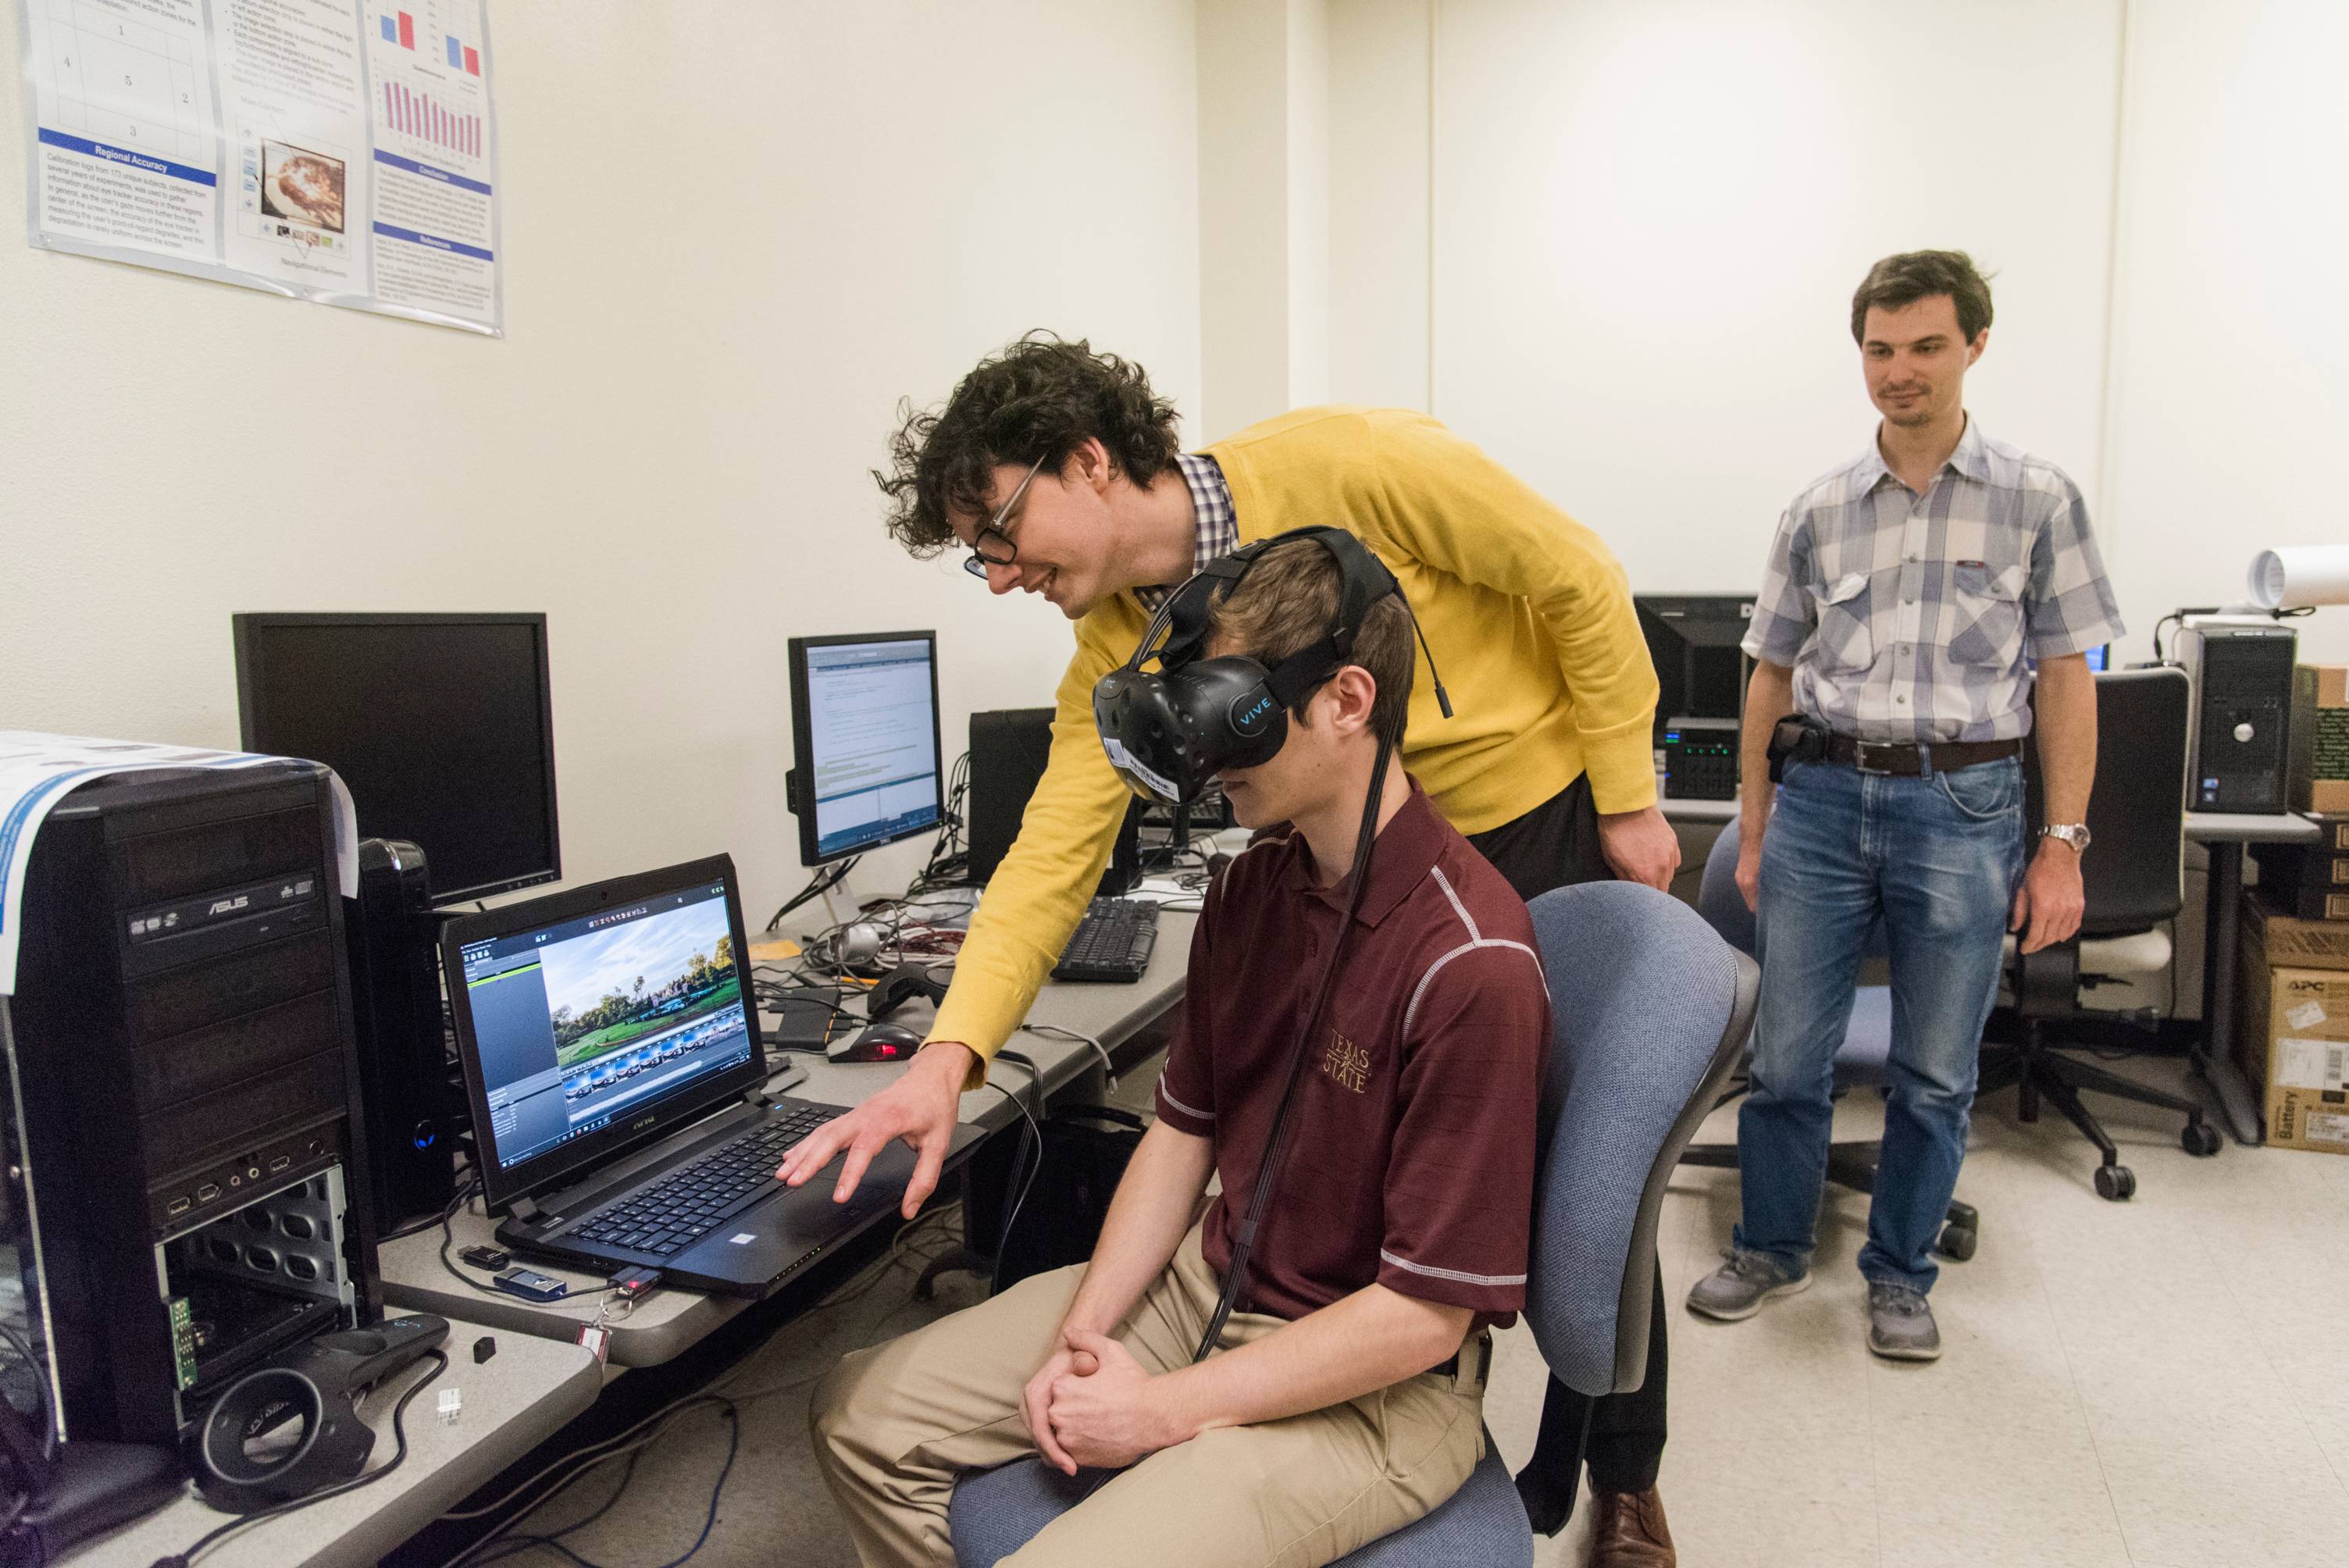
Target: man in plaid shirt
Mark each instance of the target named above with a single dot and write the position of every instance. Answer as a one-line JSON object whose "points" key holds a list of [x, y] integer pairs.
{"points": [[1914, 599]]}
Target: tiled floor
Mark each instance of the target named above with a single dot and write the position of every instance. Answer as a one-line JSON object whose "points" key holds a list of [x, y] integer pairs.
{"points": [[2153, 1384]]}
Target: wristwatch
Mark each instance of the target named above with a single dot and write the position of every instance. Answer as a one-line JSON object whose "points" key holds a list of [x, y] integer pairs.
{"points": [[2073, 833]]}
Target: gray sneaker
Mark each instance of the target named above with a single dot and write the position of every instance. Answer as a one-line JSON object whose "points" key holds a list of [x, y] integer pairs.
{"points": [[1738, 1288], [1901, 1326]]}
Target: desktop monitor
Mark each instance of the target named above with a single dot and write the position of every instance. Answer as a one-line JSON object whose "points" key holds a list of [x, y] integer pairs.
{"points": [[441, 725], [865, 741], [1692, 639]]}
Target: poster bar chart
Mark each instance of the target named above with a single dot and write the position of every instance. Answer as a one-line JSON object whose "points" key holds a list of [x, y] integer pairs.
{"points": [[421, 116]]}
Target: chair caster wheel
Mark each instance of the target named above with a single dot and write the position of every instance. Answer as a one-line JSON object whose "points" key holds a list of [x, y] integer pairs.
{"points": [[2116, 1183], [1958, 1243], [2201, 1139]]}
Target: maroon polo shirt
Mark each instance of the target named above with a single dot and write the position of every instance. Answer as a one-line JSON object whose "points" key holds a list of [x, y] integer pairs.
{"points": [[1411, 1161]]}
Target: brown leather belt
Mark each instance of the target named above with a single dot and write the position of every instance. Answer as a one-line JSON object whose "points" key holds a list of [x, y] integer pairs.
{"points": [[1915, 762]]}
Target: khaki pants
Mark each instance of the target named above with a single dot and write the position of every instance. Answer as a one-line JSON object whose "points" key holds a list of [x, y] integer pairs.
{"points": [[896, 1424]]}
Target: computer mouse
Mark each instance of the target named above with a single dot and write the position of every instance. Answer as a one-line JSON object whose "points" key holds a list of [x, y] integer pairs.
{"points": [[876, 1043]]}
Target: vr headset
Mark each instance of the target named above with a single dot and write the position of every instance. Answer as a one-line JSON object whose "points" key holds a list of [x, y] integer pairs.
{"points": [[1168, 732]]}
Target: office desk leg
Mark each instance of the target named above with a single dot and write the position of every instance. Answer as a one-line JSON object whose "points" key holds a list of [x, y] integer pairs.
{"points": [[2221, 931]]}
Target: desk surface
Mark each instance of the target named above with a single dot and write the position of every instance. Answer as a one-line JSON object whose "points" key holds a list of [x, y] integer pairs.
{"points": [[513, 1402], [2202, 827], [667, 1321], [2250, 827]]}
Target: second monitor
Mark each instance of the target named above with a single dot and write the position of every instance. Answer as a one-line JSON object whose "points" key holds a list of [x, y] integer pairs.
{"points": [[441, 725], [865, 741]]}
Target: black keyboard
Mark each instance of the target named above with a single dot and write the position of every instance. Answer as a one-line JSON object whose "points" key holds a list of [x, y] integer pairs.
{"points": [[678, 1210], [1111, 943]]}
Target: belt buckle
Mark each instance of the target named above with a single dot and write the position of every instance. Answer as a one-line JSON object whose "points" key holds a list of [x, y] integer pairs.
{"points": [[1861, 752]]}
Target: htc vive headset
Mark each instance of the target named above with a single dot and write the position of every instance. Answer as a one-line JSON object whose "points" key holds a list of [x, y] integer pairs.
{"points": [[1168, 732]]}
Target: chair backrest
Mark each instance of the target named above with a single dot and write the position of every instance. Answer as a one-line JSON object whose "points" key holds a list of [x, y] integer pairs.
{"points": [[1650, 1011], [2134, 874], [1723, 906], [1717, 898]]}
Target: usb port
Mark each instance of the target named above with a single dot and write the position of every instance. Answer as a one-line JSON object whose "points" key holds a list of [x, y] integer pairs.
{"points": [[208, 1191], [176, 1206], [280, 1163]]}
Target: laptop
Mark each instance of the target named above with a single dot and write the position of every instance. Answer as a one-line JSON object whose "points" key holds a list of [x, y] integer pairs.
{"points": [[612, 1055]]}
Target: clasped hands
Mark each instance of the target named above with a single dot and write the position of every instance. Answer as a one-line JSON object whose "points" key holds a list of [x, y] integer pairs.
{"points": [[1093, 1404]]}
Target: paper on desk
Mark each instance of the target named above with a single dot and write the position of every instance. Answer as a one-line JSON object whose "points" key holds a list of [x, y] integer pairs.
{"points": [[38, 770]]}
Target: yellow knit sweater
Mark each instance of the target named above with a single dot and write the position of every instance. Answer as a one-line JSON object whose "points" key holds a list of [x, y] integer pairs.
{"points": [[1528, 615]]}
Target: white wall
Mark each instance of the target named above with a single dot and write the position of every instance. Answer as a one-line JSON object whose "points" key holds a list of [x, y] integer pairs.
{"points": [[1244, 242], [1651, 216], [1309, 202], [1379, 196], [1645, 218], [2231, 387], [709, 329], [1265, 86]]}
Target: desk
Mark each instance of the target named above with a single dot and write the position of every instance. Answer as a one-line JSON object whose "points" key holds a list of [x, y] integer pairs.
{"points": [[2224, 836], [513, 1401], [667, 1321], [1719, 812]]}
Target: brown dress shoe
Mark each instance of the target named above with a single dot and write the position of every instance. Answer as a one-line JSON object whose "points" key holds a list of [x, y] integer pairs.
{"points": [[1629, 1531]]}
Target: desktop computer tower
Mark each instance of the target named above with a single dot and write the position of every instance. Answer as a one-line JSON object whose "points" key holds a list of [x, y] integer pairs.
{"points": [[2238, 755], [1700, 759], [1693, 641], [1008, 749], [415, 1106], [185, 1193]]}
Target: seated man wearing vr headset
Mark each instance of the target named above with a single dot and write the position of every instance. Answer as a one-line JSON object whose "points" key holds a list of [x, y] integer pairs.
{"points": [[1361, 1055], [1058, 469]]}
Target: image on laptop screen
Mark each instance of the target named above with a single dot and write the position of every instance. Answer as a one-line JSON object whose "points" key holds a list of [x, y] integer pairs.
{"points": [[586, 1021]]}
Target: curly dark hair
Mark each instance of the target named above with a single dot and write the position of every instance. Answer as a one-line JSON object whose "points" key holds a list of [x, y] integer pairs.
{"points": [[1039, 397], [1897, 282]]}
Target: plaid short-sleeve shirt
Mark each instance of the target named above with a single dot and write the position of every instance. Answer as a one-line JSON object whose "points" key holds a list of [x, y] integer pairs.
{"points": [[1909, 617]]}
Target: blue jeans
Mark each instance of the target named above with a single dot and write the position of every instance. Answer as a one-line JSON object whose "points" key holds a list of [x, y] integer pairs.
{"points": [[1936, 859]]}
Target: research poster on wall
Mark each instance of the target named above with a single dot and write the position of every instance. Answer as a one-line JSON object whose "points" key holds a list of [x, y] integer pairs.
{"points": [[337, 150]]}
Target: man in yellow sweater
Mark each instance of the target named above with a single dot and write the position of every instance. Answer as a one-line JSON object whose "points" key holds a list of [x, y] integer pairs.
{"points": [[1058, 470]]}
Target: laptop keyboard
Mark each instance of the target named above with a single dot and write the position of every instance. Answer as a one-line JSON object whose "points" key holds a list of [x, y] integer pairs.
{"points": [[672, 1213]]}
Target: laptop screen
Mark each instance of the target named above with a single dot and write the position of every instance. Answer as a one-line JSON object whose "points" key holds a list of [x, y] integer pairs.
{"points": [[588, 1019]]}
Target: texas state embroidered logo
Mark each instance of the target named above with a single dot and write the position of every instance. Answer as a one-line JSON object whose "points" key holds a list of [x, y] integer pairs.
{"points": [[1346, 1062]]}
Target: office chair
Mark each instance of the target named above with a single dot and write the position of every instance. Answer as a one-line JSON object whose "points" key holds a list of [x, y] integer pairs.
{"points": [[1650, 1010], [2133, 875], [1859, 1061]]}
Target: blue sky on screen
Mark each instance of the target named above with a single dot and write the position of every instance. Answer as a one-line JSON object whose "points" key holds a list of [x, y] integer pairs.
{"points": [[660, 948]]}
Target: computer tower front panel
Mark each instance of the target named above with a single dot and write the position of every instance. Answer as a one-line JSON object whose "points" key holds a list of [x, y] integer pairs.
{"points": [[2239, 751]]}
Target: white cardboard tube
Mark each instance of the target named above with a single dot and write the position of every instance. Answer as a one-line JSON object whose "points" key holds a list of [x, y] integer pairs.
{"points": [[2297, 578]]}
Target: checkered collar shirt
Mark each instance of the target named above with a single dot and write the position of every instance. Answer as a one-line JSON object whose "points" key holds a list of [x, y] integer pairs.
{"points": [[1914, 617], [1217, 525]]}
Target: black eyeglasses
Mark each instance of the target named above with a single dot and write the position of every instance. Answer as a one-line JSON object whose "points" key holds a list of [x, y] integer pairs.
{"points": [[990, 546]]}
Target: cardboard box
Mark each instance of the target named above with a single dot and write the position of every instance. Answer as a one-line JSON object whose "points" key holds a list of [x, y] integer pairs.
{"points": [[2291, 940], [2310, 880], [2291, 1037], [2319, 767]]}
